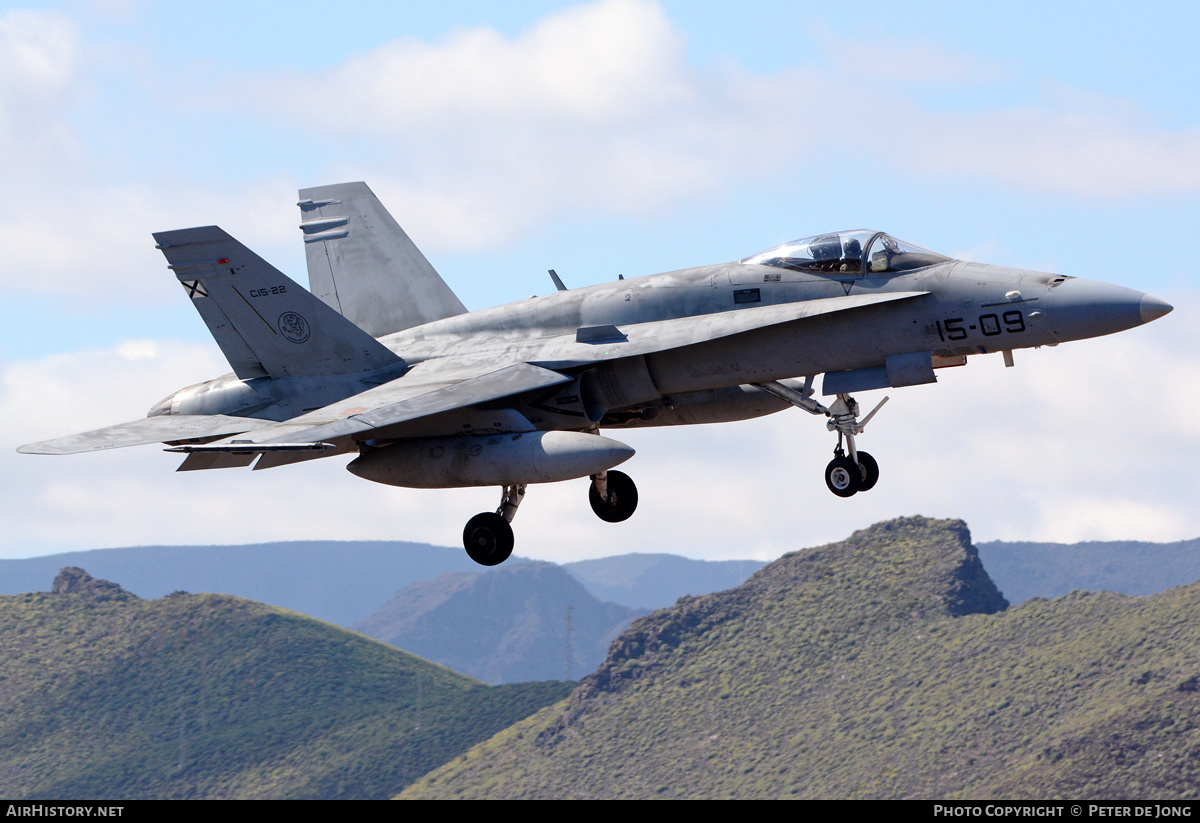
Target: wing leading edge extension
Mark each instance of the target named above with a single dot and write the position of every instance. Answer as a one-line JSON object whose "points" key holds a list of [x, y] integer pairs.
{"points": [[428, 389], [592, 344]]}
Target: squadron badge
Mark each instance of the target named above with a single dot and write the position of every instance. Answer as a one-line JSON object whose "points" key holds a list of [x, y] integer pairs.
{"points": [[293, 326]]}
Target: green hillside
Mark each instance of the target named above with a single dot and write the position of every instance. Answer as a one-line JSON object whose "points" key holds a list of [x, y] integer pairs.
{"points": [[106, 695], [884, 666]]}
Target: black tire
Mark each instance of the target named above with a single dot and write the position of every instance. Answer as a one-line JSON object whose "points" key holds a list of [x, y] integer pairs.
{"points": [[622, 498], [488, 539], [843, 476], [870, 471]]}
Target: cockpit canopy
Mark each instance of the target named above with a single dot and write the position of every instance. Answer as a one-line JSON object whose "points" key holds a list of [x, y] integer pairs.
{"points": [[850, 252]]}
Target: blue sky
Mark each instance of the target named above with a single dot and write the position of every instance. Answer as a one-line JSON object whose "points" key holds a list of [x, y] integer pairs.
{"points": [[602, 138]]}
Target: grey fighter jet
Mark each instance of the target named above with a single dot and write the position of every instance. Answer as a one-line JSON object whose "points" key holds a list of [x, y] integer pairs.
{"points": [[379, 359]]}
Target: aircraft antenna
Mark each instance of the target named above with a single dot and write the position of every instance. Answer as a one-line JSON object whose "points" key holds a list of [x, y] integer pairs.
{"points": [[418, 725], [570, 651]]}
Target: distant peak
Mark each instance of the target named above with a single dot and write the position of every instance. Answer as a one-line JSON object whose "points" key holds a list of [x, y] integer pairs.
{"points": [[910, 568], [931, 561], [74, 580]]}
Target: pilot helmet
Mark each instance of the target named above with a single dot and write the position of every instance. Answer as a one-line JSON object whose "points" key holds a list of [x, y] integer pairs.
{"points": [[825, 247]]}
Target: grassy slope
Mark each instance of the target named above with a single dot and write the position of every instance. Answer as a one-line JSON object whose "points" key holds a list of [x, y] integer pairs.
{"points": [[872, 668], [104, 695]]}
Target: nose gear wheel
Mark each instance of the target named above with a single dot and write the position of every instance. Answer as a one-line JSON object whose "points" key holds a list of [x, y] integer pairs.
{"points": [[870, 471], [843, 476]]}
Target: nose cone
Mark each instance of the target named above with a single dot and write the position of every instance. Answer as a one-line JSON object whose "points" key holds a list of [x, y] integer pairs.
{"points": [[1080, 308], [1152, 308]]}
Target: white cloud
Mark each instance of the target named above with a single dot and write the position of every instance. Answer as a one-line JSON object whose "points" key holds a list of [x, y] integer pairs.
{"points": [[39, 56], [94, 241], [598, 63], [1053, 150], [64, 393], [476, 139], [592, 111], [65, 229], [596, 110], [901, 60]]}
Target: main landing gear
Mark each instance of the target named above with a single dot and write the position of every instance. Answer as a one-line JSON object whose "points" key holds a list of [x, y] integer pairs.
{"points": [[488, 537], [851, 471], [613, 496]]}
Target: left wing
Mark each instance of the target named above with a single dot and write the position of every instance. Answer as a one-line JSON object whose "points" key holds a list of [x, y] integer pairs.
{"points": [[166, 428], [428, 388]]}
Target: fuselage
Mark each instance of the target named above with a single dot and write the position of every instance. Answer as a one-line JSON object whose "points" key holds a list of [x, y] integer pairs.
{"points": [[962, 309]]}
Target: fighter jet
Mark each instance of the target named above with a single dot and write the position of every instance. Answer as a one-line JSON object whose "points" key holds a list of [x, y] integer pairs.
{"points": [[381, 360]]}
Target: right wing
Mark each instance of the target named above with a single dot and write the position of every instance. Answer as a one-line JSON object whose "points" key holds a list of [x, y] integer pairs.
{"points": [[165, 428]]}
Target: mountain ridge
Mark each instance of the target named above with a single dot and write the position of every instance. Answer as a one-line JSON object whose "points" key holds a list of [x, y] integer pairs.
{"points": [[883, 666], [507, 626], [107, 695]]}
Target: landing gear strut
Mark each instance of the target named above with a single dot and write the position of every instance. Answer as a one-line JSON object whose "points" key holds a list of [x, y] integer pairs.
{"points": [[488, 537], [851, 471]]}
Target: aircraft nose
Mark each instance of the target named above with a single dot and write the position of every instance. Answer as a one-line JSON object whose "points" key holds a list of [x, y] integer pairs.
{"points": [[1081, 308], [1152, 308]]}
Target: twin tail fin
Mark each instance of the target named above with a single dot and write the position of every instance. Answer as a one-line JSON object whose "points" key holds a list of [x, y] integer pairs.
{"points": [[363, 265], [266, 324]]}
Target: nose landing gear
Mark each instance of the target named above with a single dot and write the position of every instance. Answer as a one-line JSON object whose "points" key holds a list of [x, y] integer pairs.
{"points": [[847, 474]]}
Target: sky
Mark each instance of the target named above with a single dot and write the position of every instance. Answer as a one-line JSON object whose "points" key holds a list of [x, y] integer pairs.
{"points": [[604, 138]]}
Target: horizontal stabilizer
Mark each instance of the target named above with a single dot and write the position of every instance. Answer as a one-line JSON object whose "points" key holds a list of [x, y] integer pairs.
{"points": [[265, 323], [201, 461], [363, 265], [165, 428]]}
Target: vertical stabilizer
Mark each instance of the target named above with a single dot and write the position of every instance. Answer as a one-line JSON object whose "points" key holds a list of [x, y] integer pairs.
{"points": [[362, 263], [265, 324]]}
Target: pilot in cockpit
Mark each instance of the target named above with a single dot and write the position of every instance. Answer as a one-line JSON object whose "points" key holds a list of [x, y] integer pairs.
{"points": [[852, 256]]}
